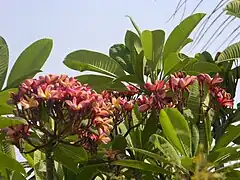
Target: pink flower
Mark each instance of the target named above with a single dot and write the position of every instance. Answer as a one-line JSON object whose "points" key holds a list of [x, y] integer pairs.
{"points": [[144, 108], [158, 85], [29, 102], [222, 97]]}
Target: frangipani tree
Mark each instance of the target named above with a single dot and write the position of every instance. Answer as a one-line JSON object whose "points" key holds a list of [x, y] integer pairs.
{"points": [[148, 111]]}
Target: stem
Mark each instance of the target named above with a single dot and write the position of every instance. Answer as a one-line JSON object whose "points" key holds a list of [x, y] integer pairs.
{"points": [[49, 161]]}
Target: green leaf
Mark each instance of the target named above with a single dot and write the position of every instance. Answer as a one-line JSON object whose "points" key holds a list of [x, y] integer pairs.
{"points": [[70, 156], [170, 62], [10, 163], [140, 165], [84, 60], [165, 147], [182, 129], [135, 26], [176, 130], [169, 131], [229, 168], [153, 42], [231, 133], [183, 64], [11, 121], [133, 43], [236, 72], [31, 59], [4, 56], [186, 42], [88, 172], [140, 66], [193, 102], [179, 35], [4, 97], [195, 139], [121, 54], [200, 66], [20, 79], [233, 8], [8, 149], [119, 143], [150, 127], [18, 176], [131, 78], [205, 67], [187, 163], [39, 165], [99, 83], [152, 155], [231, 53]]}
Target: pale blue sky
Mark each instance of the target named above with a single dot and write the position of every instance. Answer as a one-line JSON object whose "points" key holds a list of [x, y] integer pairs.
{"points": [[79, 24]]}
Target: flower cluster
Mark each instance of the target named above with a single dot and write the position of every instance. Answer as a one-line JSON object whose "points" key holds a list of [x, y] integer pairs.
{"points": [[172, 93], [75, 109], [217, 93]]}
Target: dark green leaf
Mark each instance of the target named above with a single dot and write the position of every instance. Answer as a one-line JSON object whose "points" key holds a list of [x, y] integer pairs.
{"points": [[31, 59], [18, 176], [84, 60], [135, 26], [131, 78], [179, 35], [4, 56], [140, 165], [99, 83], [150, 127], [232, 132], [70, 156], [119, 143], [88, 172], [121, 54]]}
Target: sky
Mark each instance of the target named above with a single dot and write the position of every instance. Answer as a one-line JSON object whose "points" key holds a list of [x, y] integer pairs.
{"points": [[78, 24]]}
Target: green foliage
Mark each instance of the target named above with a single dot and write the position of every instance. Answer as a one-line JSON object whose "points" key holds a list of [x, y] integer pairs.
{"points": [[176, 130], [180, 34], [10, 163], [84, 60], [233, 8], [30, 61], [174, 143], [4, 56], [11, 121], [232, 52], [140, 165]]}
